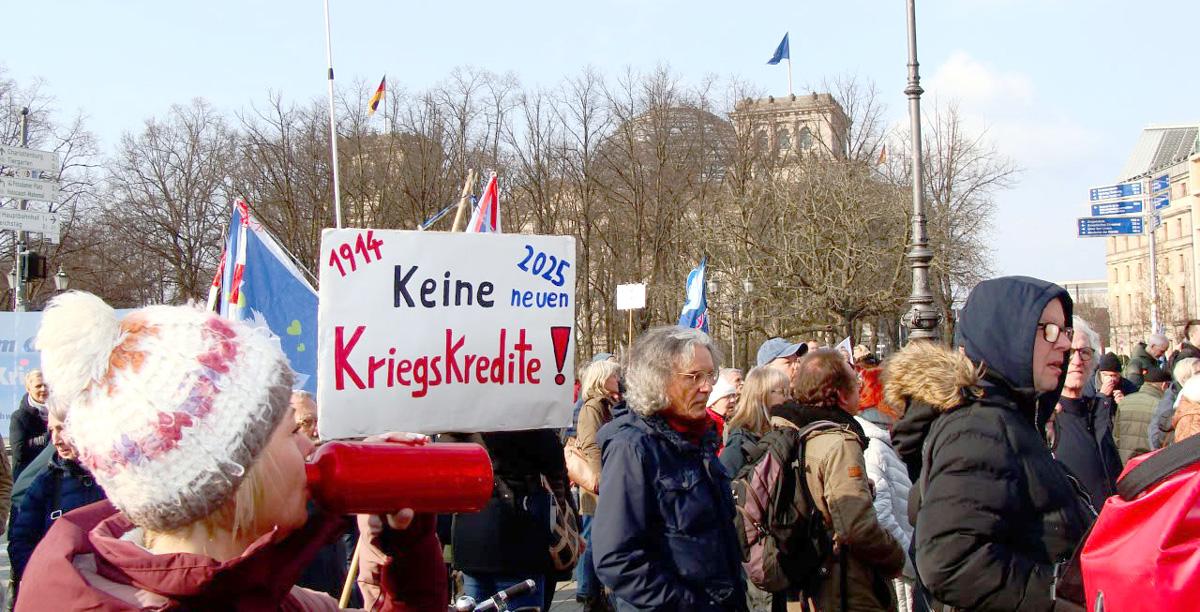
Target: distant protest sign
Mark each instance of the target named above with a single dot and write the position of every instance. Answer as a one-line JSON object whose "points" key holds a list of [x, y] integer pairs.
{"points": [[435, 332]]}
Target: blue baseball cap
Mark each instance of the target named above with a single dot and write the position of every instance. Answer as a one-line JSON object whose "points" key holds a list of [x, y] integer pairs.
{"points": [[778, 347]]}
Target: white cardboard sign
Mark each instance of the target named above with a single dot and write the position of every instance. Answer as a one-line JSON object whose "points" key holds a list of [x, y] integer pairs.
{"points": [[434, 332], [631, 297]]}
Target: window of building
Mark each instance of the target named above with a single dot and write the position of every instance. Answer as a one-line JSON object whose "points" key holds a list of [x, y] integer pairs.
{"points": [[1179, 227], [1127, 273], [761, 138], [806, 139], [785, 138], [1166, 265], [1183, 189], [1115, 276], [1182, 264]]}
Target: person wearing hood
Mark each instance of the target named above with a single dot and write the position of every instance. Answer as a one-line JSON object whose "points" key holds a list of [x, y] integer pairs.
{"points": [[866, 555], [996, 517], [1135, 413], [1080, 431], [663, 535], [207, 483]]}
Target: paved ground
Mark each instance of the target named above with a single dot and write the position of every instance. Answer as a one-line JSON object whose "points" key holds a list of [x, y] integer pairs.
{"points": [[564, 597]]}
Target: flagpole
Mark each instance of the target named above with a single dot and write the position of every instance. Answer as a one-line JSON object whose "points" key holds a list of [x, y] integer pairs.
{"points": [[789, 61], [337, 192]]}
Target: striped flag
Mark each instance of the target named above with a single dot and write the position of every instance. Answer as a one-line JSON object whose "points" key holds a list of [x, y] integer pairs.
{"points": [[486, 217], [378, 97], [882, 156]]}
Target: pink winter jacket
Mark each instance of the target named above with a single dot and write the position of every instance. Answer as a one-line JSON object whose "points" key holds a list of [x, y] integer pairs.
{"points": [[84, 563]]}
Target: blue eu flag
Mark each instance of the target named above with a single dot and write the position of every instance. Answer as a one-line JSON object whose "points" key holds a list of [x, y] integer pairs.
{"points": [[695, 308], [781, 52]]}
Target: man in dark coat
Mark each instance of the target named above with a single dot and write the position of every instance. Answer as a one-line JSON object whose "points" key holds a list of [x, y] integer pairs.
{"points": [[62, 487], [663, 536], [1146, 355], [27, 429], [1188, 348], [1080, 432], [997, 518]]}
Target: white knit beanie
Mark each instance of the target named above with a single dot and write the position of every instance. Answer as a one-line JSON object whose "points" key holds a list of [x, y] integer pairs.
{"points": [[168, 407]]}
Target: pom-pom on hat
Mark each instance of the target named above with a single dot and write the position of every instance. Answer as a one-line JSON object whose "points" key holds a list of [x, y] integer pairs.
{"points": [[168, 407]]}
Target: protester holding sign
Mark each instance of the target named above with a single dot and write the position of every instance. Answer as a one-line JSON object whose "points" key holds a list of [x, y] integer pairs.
{"points": [[208, 482]]}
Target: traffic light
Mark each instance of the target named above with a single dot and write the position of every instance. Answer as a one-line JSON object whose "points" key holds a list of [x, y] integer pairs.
{"points": [[33, 266]]}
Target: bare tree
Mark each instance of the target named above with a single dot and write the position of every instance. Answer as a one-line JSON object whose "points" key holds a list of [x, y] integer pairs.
{"points": [[170, 192]]}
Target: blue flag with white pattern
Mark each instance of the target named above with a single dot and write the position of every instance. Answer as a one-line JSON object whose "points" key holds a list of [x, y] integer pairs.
{"points": [[695, 308]]}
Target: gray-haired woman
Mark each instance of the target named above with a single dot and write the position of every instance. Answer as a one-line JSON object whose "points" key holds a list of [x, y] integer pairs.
{"points": [[663, 534]]}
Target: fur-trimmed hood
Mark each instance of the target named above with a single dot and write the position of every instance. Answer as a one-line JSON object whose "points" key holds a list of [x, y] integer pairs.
{"points": [[930, 373]]}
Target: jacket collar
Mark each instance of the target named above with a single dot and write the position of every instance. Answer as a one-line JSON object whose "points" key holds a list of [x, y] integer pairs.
{"points": [[801, 415], [657, 426]]}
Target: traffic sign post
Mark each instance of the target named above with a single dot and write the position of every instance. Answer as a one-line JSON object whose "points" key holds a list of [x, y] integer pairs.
{"points": [[44, 223], [1127, 207], [1110, 226], [1112, 192], [29, 189], [1160, 183], [29, 159]]}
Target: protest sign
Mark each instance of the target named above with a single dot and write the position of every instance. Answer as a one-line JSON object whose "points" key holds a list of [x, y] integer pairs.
{"points": [[435, 332]]}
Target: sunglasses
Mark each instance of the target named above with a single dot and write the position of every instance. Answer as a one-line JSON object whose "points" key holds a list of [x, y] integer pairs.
{"points": [[1052, 331]]}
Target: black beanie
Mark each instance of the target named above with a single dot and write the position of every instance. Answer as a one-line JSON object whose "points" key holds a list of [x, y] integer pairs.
{"points": [[1110, 363]]}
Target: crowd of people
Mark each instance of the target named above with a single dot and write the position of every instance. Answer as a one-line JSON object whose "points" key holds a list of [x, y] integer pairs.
{"points": [[158, 463]]}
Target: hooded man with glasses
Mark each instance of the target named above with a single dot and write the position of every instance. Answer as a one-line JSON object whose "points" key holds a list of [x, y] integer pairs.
{"points": [[997, 517]]}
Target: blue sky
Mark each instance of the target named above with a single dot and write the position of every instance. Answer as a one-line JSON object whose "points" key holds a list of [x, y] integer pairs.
{"points": [[1061, 86]]}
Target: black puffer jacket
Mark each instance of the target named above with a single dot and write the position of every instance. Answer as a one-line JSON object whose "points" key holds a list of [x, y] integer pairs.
{"points": [[1080, 437], [27, 432], [996, 514]]}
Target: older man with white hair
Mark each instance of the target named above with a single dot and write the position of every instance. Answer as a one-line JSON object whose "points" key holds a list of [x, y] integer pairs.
{"points": [[1080, 432], [1145, 356], [663, 537]]}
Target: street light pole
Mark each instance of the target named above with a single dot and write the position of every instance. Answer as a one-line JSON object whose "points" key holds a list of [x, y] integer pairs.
{"points": [[19, 236], [922, 320]]}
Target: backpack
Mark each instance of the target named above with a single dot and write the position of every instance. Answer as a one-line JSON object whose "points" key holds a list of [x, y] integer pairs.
{"points": [[783, 539], [1143, 549]]}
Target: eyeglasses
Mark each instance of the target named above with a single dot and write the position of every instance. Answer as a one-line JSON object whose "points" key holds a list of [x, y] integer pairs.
{"points": [[699, 377], [307, 421], [1085, 354], [1051, 331]]}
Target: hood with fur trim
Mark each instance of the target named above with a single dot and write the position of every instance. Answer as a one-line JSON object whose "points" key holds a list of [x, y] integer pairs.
{"points": [[921, 382]]}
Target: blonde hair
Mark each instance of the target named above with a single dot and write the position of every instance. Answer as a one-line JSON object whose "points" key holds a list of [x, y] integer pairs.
{"points": [[594, 377], [751, 411]]}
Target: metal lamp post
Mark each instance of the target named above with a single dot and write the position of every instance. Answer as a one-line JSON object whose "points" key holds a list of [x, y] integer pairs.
{"points": [[923, 319]]}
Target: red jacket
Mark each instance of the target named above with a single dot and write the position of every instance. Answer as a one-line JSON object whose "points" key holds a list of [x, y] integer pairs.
{"points": [[84, 562]]}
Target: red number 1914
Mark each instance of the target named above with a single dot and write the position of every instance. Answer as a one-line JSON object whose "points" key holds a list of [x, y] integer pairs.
{"points": [[354, 254]]}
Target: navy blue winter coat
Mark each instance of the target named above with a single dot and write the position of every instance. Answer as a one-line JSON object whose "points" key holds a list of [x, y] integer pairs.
{"points": [[61, 488], [662, 536]]}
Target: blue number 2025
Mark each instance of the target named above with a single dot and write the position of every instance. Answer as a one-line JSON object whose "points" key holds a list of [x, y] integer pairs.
{"points": [[546, 266]]}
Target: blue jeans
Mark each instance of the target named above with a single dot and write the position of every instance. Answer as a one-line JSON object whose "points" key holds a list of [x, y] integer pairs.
{"points": [[587, 584], [483, 586]]}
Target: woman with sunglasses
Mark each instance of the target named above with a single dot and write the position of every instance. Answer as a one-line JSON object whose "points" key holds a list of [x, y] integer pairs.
{"points": [[998, 519]]}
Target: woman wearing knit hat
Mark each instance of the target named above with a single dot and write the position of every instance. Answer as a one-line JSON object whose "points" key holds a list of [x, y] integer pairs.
{"points": [[183, 418]]}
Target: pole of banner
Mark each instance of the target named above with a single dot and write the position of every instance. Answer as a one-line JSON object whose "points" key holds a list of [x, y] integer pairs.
{"points": [[337, 191], [351, 576], [629, 344], [462, 202]]}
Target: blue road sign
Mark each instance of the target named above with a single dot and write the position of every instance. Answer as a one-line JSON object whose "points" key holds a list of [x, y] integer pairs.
{"points": [[1160, 183], [1155, 221], [1161, 201], [1112, 192], [1124, 207], [1109, 226]]}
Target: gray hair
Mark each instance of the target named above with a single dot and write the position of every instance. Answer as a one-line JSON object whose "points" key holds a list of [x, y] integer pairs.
{"points": [[1157, 340], [654, 358], [30, 374], [1184, 369], [728, 371], [1093, 341]]}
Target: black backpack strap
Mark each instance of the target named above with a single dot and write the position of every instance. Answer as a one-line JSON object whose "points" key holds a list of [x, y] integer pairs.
{"points": [[1158, 467]]}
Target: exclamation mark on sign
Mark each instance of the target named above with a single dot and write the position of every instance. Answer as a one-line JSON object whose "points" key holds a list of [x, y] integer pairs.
{"points": [[561, 336]]}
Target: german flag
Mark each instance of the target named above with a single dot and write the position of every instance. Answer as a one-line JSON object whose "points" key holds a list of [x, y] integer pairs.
{"points": [[378, 97]]}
